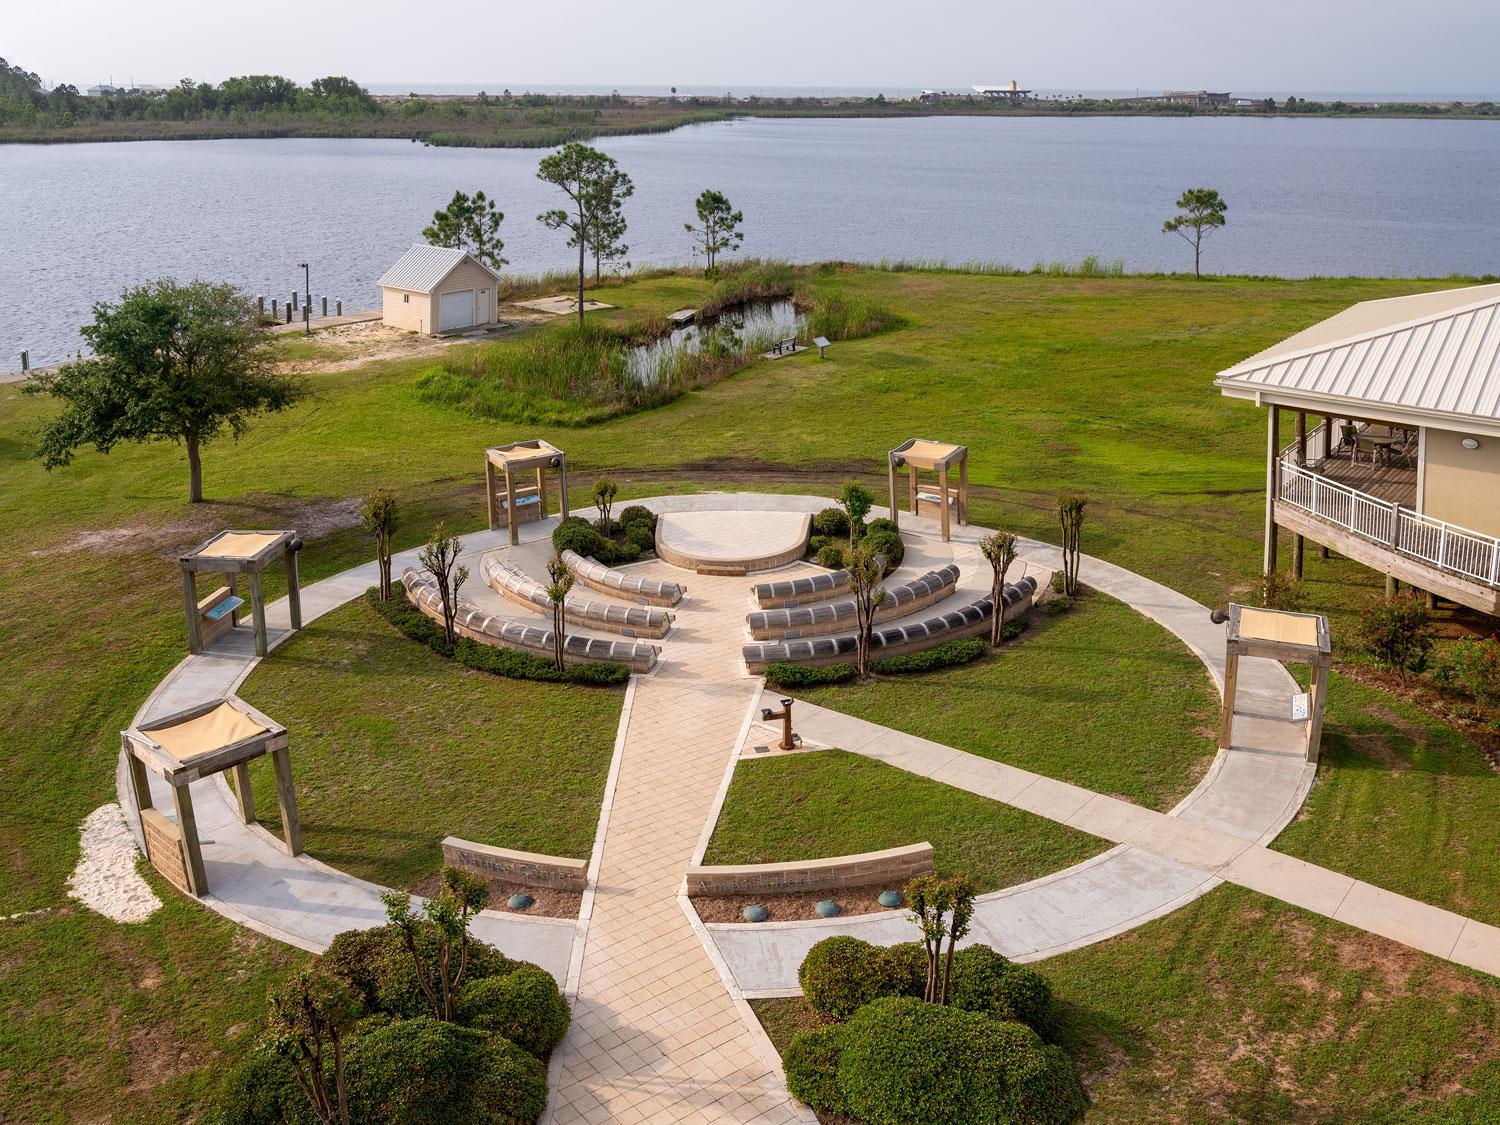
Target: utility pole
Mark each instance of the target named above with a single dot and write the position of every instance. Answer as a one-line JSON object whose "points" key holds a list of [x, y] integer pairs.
{"points": [[307, 299]]}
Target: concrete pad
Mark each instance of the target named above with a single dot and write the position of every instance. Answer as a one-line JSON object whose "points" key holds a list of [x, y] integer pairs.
{"points": [[1478, 947], [560, 305], [1402, 919], [752, 540], [1289, 879]]}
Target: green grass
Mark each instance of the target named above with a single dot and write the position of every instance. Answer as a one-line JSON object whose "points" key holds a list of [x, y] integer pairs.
{"points": [[1100, 696], [1240, 1008], [1101, 384], [831, 802], [395, 747]]}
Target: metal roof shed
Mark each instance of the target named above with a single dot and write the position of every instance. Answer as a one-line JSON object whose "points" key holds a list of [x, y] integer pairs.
{"points": [[433, 289]]}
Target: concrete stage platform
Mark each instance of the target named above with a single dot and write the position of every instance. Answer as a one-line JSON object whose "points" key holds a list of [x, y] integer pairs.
{"points": [[730, 542]]}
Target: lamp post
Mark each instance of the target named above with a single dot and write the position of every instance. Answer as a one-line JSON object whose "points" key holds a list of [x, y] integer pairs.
{"points": [[307, 299]]}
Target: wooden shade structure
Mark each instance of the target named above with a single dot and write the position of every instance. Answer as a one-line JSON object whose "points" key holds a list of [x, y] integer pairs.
{"points": [[1276, 634], [516, 458], [936, 456], [230, 553], [181, 748]]}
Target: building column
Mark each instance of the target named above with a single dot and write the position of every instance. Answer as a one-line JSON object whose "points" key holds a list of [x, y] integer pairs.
{"points": [[1272, 442]]}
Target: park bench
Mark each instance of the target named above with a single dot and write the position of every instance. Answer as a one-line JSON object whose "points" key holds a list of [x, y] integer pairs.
{"points": [[784, 347]]}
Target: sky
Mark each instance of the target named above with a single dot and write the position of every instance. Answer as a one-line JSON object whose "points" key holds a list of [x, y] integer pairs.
{"points": [[1290, 46]]}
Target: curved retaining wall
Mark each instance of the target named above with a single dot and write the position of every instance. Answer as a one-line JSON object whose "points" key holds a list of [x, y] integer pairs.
{"points": [[831, 616], [597, 576], [895, 866], [502, 632], [966, 621], [611, 617], [527, 868]]}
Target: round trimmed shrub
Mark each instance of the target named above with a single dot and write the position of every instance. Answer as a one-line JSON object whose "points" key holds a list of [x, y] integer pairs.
{"points": [[640, 536], [511, 1085], [831, 557], [524, 1006], [260, 1090], [637, 513], [989, 982], [906, 1061], [831, 522], [882, 524], [380, 967], [887, 543], [841, 974], [811, 1064], [416, 1070], [576, 534]]}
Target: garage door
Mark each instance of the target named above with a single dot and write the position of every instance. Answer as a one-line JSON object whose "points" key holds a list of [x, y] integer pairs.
{"points": [[455, 310]]}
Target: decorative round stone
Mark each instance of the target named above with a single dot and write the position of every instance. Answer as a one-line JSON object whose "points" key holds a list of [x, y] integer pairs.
{"points": [[827, 908], [520, 901], [755, 912], [890, 898]]}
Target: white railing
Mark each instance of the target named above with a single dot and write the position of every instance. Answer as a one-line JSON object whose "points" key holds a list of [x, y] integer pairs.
{"points": [[1435, 542]]}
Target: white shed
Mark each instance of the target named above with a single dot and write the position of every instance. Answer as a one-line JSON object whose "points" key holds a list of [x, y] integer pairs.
{"points": [[433, 289]]}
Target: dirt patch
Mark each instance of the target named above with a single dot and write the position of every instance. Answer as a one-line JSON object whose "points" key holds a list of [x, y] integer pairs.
{"points": [[790, 907], [1377, 748], [1461, 714], [549, 903], [156, 1056]]}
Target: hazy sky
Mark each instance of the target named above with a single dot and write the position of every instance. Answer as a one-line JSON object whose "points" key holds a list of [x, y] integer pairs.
{"points": [[1282, 45]]}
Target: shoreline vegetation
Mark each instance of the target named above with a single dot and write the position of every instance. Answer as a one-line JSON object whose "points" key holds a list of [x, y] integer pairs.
{"points": [[269, 106]]}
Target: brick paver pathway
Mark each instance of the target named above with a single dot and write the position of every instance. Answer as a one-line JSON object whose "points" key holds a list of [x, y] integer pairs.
{"points": [[655, 1036]]}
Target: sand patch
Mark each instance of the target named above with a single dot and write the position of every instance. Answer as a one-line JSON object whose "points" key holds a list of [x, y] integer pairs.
{"points": [[105, 879]]}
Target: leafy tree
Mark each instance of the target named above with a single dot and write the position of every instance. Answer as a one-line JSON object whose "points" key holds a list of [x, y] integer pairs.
{"points": [[604, 498], [470, 223], [999, 549], [177, 362], [605, 242], [1201, 210], [719, 228], [856, 501], [942, 910], [309, 1016], [557, 593], [445, 920], [866, 568], [596, 191], [379, 517], [1397, 633], [1070, 506], [439, 558]]}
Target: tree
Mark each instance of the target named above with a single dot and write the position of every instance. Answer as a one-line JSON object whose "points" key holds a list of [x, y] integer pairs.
{"points": [[596, 190], [470, 223], [557, 594], [942, 910], [1070, 507], [856, 501], [720, 229], [177, 362], [379, 517], [604, 498], [866, 568], [446, 920], [1201, 211], [439, 558], [309, 1016], [606, 244], [999, 548]]}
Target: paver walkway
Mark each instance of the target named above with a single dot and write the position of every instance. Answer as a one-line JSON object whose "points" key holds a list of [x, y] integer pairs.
{"points": [[655, 1036]]}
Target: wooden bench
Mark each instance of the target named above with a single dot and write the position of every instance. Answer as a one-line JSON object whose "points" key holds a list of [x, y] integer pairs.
{"points": [[528, 505], [217, 614]]}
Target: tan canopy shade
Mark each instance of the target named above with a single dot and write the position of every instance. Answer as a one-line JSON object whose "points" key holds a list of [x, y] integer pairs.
{"points": [[239, 545], [520, 456], [213, 730], [1277, 634], [920, 453], [1275, 625], [233, 553]]}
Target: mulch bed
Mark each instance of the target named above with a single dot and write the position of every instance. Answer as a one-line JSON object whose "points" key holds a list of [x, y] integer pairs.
{"points": [[795, 907], [549, 903]]}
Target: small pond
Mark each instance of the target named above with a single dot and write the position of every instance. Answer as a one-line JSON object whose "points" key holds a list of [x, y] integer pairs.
{"points": [[745, 328]]}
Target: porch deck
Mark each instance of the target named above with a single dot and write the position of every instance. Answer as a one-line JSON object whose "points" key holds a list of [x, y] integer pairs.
{"points": [[1394, 483]]}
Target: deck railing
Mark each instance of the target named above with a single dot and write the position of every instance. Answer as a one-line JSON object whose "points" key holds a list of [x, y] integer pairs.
{"points": [[1435, 542]]}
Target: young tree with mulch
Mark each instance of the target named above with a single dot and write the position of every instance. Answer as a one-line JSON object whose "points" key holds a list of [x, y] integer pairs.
{"points": [[439, 558], [856, 501], [866, 569], [309, 1016], [596, 189], [557, 594], [379, 517], [942, 910], [604, 499], [999, 549], [1070, 506], [446, 919]]}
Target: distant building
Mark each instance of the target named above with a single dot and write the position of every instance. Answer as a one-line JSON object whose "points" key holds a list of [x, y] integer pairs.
{"points": [[1194, 99], [1011, 92], [101, 91], [434, 289]]}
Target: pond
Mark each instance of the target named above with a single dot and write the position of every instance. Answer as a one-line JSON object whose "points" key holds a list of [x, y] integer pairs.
{"points": [[752, 327]]}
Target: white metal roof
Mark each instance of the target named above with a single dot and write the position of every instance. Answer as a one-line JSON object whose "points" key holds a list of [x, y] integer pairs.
{"points": [[423, 268], [1429, 357]]}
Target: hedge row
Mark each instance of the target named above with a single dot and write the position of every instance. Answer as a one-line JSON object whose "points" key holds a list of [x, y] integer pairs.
{"points": [[487, 658], [949, 654]]}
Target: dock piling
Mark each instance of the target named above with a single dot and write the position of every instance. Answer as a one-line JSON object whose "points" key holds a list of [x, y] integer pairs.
{"points": [[338, 307], [325, 305], [25, 361]]}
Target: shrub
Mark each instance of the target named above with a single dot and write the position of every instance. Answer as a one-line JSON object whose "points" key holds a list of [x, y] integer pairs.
{"points": [[886, 543], [906, 1061], [1278, 590], [1397, 633], [882, 523], [261, 1090], [637, 513], [640, 537], [831, 557], [789, 676], [811, 1064], [511, 1084], [841, 974], [1472, 666], [988, 982], [949, 654], [577, 534], [832, 522], [523, 1005], [1014, 628], [379, 966], [1058, 604]]}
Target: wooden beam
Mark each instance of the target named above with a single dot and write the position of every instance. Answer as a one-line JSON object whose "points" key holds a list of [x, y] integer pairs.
{"points": [[1226, 713], [244, 794], [963, 492], [293, 589], [190, 605], [541, 489], [1272, 443], [943, 499], [562, 485], [1319, 702], [890, 470], [197, 878], [286, 796], [140, 783], [489, 489], [258, 611], [911, 471], [1297, 545], [510, 508]]}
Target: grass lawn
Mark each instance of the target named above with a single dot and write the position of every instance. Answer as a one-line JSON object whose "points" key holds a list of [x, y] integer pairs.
{"points": [[395, 747], [1099, 696], [1240, 1008], [1102, 384], [832, 802]]}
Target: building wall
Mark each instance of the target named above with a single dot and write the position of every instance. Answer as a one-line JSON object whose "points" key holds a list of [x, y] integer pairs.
{"points": [[1462, 485], [467, 275], [414, 314]]}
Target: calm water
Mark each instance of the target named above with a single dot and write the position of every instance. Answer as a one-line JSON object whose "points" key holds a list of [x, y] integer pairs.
{"points": [[757, 326], [1409, 198]]}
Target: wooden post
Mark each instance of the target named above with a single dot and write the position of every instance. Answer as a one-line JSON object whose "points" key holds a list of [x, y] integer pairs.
{"points": [[963, 491], [1319, 701], [541, 490], [489, 489], [293, 588], [1272, 442], [890, 470], [1297, 542], [1231, 683], [562, 486], [243, 793], [257, 611], [190, 604], [187, 826], [510, 507], [140, 784], [911, 477], [286, 797], [943, 498], [338, 307], [325, 305]]}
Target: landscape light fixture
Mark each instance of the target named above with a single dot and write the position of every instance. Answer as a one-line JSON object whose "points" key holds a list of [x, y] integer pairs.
{"points": [[1218, 616]]}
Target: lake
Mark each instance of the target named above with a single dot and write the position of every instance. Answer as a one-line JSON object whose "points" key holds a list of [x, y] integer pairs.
{"points": [[1316, 196]]}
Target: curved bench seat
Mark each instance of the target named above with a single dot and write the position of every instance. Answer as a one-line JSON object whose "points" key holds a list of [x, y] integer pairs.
{"points": [[793, 592], [592, 613], [966, 621], [831, 617], [597, 576], [502, 632]]}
